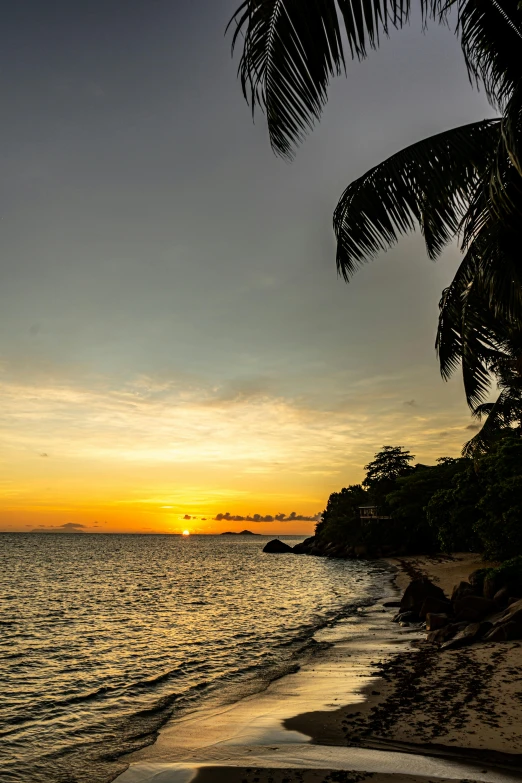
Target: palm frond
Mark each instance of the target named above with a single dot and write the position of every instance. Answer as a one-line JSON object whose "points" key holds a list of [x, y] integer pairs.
{"points": [[427, 184], [500, 418], [491, 37], [293, 48], [512, 127], [474, 330]]}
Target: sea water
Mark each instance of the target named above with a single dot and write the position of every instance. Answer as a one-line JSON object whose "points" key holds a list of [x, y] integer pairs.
{"points": [[103, 638]]}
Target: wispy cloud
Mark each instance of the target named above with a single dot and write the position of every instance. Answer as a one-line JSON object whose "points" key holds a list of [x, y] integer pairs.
{"points": [[162, 422]]}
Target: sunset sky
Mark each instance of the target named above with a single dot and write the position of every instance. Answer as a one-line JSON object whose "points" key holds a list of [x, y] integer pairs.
{"points": [[174, 339]]}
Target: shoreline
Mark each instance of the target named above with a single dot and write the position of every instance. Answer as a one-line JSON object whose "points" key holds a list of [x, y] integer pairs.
{"points": [[386, 685]]}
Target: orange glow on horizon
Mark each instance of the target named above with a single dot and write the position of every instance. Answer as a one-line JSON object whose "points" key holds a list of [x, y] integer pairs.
{"points": [[153, 455]]}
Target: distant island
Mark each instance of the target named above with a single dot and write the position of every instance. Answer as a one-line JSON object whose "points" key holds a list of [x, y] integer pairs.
{"points": [[242, 533]]}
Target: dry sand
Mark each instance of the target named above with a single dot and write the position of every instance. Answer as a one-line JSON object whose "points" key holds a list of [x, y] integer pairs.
{"points": [[410, 708]]}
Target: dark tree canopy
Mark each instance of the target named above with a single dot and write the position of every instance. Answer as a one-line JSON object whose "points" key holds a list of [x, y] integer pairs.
{"points": [[388, 465], [457, 505]]}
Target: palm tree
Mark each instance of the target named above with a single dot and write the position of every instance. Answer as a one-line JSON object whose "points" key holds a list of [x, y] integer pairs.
{"points": [[465, 182], [291, 49]]}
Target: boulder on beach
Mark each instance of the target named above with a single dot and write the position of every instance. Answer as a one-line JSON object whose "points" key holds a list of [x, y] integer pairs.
{"points": [[508, 632], [406, 617], [461, 590], [502, 598], [434, 605], [442, 635], [417, 592], [468, 635], [473, 608], [435, 621], [277, 547], [512, 614]]}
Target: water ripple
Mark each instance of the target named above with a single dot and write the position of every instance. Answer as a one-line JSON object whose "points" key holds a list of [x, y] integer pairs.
{"points": [[102, 638]]}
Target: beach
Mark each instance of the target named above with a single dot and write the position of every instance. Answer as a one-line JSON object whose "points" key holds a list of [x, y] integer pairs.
{"points": [[374, 703]]}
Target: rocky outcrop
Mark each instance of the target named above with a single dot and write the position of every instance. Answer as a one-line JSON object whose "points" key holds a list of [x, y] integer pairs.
{"points": [[277, 547], [241, 533], [305, 547], [482, 609], [315, 546], [344, 551], [471, 633]]}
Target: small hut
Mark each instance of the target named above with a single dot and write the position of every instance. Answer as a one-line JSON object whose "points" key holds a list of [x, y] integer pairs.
{"points": [[372, 512]]}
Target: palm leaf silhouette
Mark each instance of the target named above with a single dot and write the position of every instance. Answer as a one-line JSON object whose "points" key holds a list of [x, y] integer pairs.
{"points": [[427, 184]]}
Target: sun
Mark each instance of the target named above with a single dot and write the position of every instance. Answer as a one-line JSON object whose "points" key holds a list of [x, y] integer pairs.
{"points": [[186, 532]]}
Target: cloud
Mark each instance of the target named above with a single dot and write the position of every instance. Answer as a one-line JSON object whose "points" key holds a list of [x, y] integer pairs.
{"points": [[410, 403], [68, 527], [293, 517], [473, 427], [170, 422], [187, 516]]}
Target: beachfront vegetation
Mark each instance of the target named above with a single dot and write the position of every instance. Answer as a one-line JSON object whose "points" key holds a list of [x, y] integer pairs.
{"points": [[456, 505]]}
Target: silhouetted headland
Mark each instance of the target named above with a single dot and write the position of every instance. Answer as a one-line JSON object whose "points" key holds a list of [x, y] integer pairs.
{"points": [[241, 533]]}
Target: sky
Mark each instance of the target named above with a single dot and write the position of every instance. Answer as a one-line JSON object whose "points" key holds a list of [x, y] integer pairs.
{"points": [[176, 348]]}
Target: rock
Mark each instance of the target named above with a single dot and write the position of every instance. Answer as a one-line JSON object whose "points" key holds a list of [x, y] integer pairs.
{"points": [[436, 621], [507, 632], [476, 579], [304, 547], [404, 625], [462, 589], [437, 637], [513, 630], [508, 574], [434, 605], [391, 604], [443, 634], [501, 598], [467, 635], [338, 551], [361, 551], [406, 617], [512, 614], [492, 584], [417, 592], [497, 634], [473, 608], [276, 547]]}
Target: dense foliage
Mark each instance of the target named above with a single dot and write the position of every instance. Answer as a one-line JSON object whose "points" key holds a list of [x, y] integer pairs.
{"points": [[455, 505]]}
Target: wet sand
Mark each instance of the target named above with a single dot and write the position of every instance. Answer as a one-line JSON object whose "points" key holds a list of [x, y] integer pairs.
{"points": [[373, 706]]}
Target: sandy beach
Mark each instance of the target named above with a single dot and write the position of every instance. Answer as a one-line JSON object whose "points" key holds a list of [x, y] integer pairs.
{"points": [[376, 704]]}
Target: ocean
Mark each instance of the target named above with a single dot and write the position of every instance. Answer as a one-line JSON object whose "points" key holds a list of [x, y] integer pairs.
{"points": [[103, 638]]}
